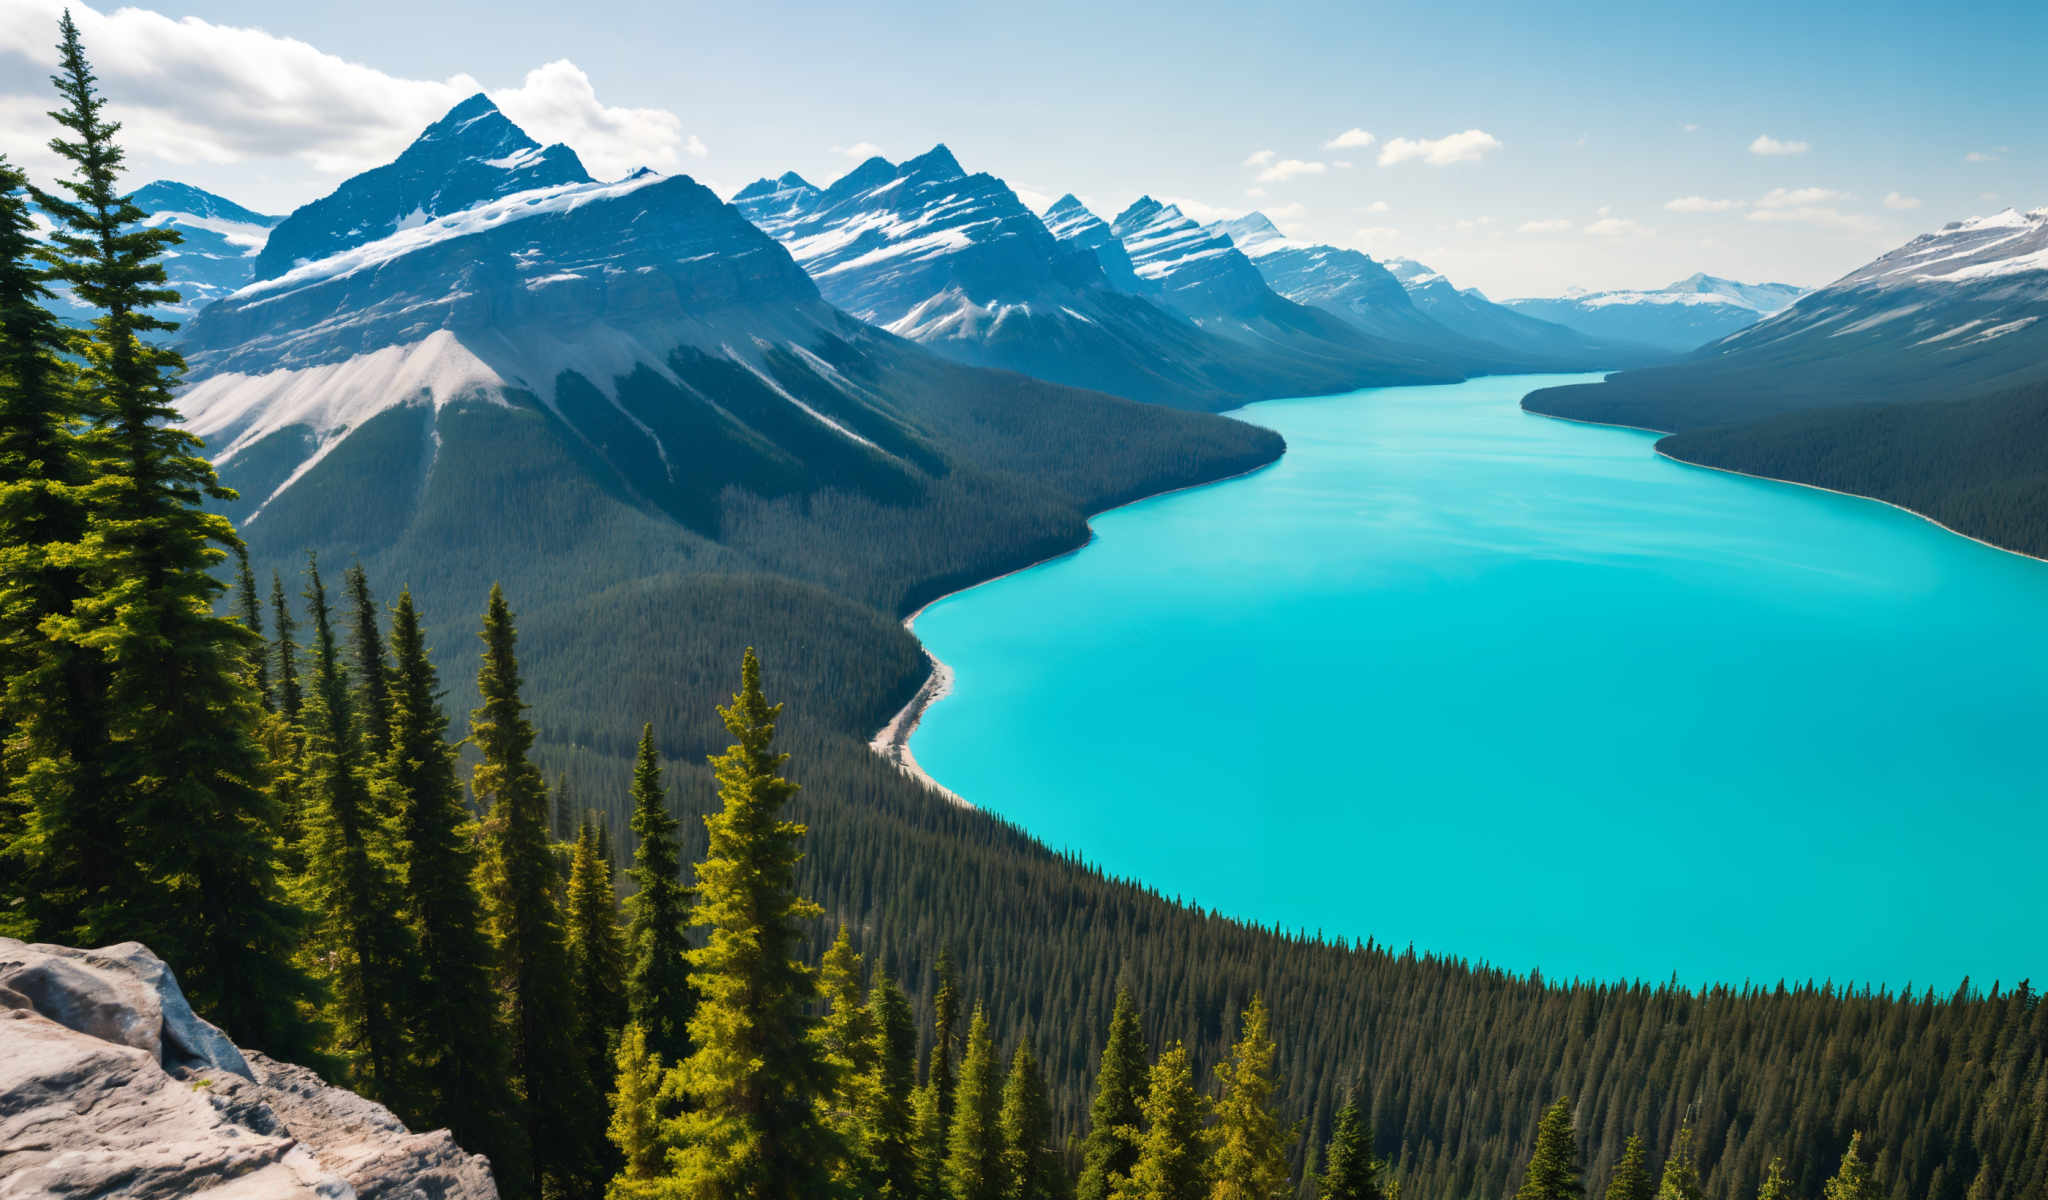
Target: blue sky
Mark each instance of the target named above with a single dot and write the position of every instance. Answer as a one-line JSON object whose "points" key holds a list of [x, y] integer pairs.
{"points": [[1598, 145]]}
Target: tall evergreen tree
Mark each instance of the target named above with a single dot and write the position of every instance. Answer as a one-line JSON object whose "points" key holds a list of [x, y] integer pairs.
{"points": [[1031, 1165], [939, 1070], [1350, 1172], [1853, 1179], [1250, 1157], [635, 1129], [366, 646], [1632, 1174], [974, 1144], [1681, 1178], [928, 1141], [1776, 1186], [361, 947], [181, 754], [658, 969], [458, 1038], [847, 1037], [1553, 1172], [286, 649], [1111, 1146], [249, 610], [888, 1156], [597, 956], [751, 1084], [517, 878], [1173, 1149], [61, 846]]}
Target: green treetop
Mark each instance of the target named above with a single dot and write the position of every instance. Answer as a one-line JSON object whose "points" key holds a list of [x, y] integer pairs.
{"points": [[974, 1143], [458, 1039], [366, 648], [1681, 1179], [1776, 1186], [1632, 1174], [1031, 1164], [1111, 1146], [750, 1086], [597, 954], [1852, 1180], [1250, 1158], [1554, 1167], [1350, 1172], [888, 1158], [1173, 1148], [658, 969], [517, 878]]}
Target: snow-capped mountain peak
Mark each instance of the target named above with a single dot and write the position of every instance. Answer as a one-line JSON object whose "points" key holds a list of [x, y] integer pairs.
{"points": [[2005, 243], [472, 155]]}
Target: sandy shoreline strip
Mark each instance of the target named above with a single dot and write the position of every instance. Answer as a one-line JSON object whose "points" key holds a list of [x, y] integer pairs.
{"points": [[892, 741], [1815, 487]]}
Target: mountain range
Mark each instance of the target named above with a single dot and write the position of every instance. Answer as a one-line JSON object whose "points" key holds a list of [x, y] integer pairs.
{"points": [[1919, 378], [957, 262], [1681, 317]]}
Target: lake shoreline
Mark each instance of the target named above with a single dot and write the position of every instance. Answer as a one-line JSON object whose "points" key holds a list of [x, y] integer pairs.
{"points": [[892, 741], [1662, 453]]}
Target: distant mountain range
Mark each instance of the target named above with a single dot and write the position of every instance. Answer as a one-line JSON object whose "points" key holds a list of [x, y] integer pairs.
{"points": [[217, 255], [1682, 317], [1921, 378], [958, 263]]}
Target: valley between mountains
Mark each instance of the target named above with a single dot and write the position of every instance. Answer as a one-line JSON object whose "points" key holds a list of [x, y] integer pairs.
{"points": [[674, 426]]}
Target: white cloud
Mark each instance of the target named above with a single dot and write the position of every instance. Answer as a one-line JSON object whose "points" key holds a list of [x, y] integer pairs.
{"points": [[1769, 146], [1259, 158], [1608, 226], [1691, 128], [1290, 168], [1342, 164], [1700, 204], [1286, 212], [1985, 156], [1825, 216], [1553, 225], [1799, 197], [1378, 206], [190, 91], [1376, 233], [1902, 202], [1255, 193], [1035, 199], [859, 150], [1469, 146], [1350, 139]]}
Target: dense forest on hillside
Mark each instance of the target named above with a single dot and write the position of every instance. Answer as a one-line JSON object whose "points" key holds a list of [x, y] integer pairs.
{"points": [[272, 799], [1979, 465]]}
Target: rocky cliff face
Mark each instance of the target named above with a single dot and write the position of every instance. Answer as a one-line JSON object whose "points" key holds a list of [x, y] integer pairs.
{"points": [[110, 1086]]}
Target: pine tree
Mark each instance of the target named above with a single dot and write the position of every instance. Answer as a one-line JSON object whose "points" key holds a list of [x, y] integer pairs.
{"points": [[1681, 1179], [635, 1129], [847, 1038], [658, 972], [1554, 1167], [1111, 1146], [939, 1070], [361, 947], [517, 878], [751, 1084], [180, 753], [888, 1156], [1350, 1172], [1775, 1185], [366, 645], [286, 648], [1250, 1158], [61, 844], [249, 611], [974, 1144], [457, 1037], [597, 956], [1632, 1174], [928, 1141], [1852, 1181], [1173, 1151], [1031, 1166]]}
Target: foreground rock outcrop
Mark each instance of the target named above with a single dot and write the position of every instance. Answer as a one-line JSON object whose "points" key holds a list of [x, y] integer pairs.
{"points": [[110, 1086]]}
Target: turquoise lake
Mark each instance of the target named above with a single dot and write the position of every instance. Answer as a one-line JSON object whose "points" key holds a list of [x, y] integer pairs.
{"points": [[1521, 691]]}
